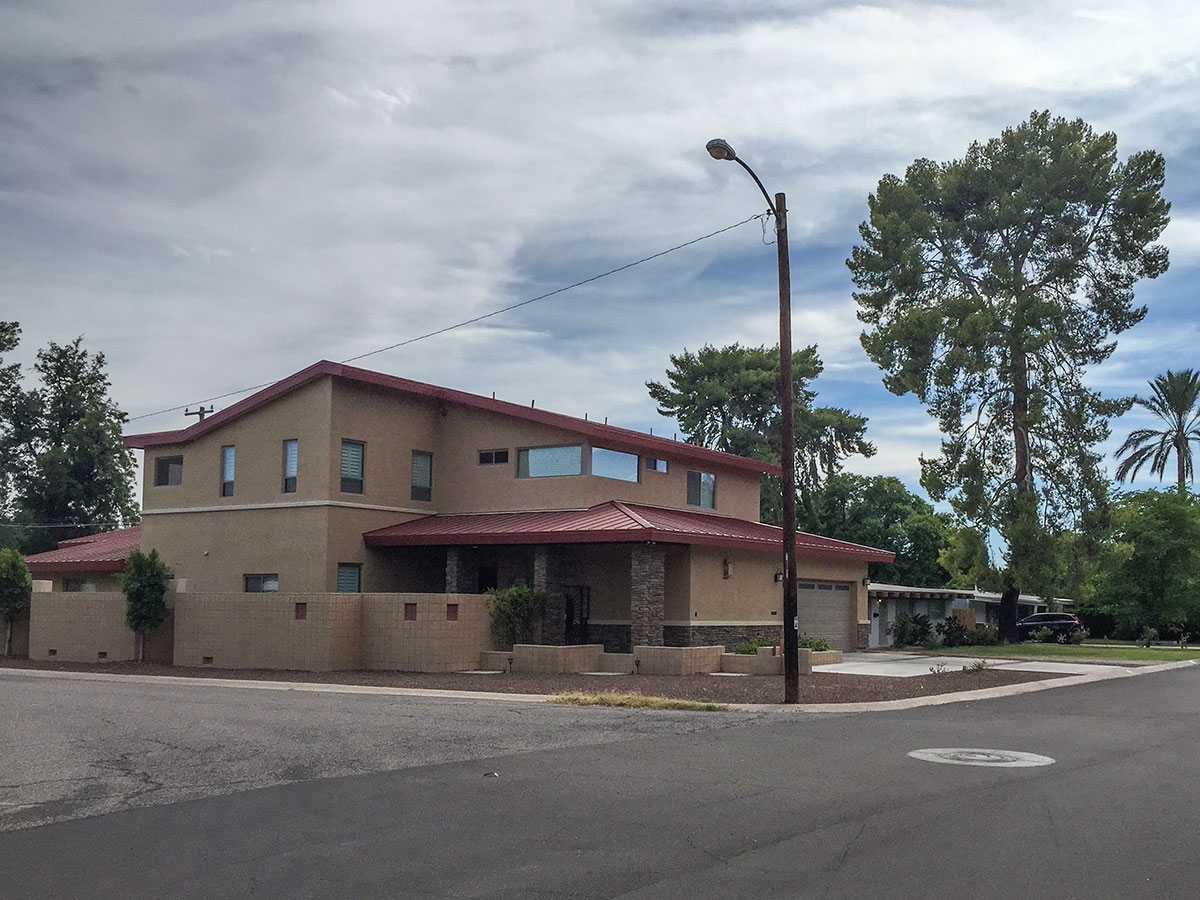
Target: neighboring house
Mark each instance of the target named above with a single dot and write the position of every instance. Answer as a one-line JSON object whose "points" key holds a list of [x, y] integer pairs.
{"points": [[887, 601], [86, 564], [342, 479]]}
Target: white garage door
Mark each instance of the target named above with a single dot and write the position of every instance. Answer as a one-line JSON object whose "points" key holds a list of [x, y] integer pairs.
{"points": [[825, 611]]}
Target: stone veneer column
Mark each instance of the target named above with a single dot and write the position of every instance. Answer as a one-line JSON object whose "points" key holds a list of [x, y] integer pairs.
{"points": [[462, 570], [864, 635], [548, 580], [646, 571]]}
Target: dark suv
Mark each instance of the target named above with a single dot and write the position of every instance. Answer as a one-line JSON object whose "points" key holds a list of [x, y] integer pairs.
{"points": [[1062, 626]]}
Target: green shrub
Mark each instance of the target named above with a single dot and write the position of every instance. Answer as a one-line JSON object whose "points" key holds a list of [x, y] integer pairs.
{"points": [[817, 645], [1149, 636], [1079, 636], [513, 613], [985, 636], [749, 648], [954, 633], [1044, 635], [908, 629], [15, 582]]}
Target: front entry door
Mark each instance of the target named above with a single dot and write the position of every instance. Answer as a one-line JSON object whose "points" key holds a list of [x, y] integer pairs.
{"points": [[576, 609]]}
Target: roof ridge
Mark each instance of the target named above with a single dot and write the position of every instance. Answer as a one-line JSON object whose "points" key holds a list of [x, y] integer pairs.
{"points": [[629, 512]]}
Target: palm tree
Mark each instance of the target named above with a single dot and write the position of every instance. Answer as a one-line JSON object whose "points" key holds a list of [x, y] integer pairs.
{"points": [[1176, 401]]}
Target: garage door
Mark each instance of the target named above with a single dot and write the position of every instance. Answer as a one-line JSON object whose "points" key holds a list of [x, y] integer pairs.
{"points": [[825, 612]]}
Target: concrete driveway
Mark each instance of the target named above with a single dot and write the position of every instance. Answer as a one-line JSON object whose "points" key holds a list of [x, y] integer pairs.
{"points": [[909, 665]]}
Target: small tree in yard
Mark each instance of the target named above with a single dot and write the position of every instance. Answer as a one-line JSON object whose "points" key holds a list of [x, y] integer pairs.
{"points": [[15, 583], [513, 611], [144, 580]]}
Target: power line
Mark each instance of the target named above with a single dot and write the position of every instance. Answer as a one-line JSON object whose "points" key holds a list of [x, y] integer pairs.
{"points": [[472, 321]]}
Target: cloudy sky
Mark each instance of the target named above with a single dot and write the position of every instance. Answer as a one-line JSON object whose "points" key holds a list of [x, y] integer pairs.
{"points": [[216, 195]]}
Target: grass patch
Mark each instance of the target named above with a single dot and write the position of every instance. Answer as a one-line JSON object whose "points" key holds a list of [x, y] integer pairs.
{"points": [[634, 701], [1070, 651]]}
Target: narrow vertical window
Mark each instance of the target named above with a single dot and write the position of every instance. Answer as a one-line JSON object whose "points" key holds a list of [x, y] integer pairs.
{"points": [[227, 461], [352, 467], [422, 475], [701, 489], [291, 465], [349, 578]]}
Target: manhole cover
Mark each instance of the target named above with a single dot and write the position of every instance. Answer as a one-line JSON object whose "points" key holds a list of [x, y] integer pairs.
{"points": [[965, 756]]}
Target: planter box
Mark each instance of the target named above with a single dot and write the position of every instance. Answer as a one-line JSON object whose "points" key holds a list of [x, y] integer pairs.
{"points": [[678, 660]]}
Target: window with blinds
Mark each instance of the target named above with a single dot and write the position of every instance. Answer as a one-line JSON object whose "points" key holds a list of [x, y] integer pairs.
{"points": [[701, 489], [227, 460], [422, 475], [291, 465], [352, 467], [349, 578], [261, 584], [543, 462]]}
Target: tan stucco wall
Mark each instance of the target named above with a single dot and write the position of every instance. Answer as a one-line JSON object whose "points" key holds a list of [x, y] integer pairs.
{"points": [[79, 627], [751, 593], [105, 582], [303, 415]]}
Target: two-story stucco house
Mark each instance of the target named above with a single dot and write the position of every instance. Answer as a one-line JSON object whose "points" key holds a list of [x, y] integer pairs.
{"points": [[339, 479]]}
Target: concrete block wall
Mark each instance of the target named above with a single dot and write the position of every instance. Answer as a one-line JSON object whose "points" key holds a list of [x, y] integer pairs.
{"points": [[548, 659], [431, 642], [312, 632], [677, 660], [80, 627]]}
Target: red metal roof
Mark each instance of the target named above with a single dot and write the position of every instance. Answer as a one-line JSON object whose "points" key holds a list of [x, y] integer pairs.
{"points": [[614, 521], [104, 552], [603, 435]]}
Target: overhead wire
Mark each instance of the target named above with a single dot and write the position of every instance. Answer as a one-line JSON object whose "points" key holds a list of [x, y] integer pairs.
{"points": [[475, 319]]}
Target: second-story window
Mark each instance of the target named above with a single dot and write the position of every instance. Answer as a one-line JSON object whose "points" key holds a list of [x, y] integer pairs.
{"points": [[701, 489], [352, 467], [655, 465], [493, 457], [614, 464], [291, 465], [168, 470], [422, 475], [543, 462], [227, 462]]}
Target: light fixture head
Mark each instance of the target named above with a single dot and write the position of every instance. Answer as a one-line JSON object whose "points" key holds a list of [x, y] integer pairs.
{"points": [[718, 148]]}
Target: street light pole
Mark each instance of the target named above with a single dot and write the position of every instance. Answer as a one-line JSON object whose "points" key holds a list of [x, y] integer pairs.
{"points": [[719, 149]]}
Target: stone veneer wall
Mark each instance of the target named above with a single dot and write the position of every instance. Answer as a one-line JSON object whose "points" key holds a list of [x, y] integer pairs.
{"points": [[728, 636], [647, 580], [864, 635], [462, 570], [615, 638], [548, 580]]}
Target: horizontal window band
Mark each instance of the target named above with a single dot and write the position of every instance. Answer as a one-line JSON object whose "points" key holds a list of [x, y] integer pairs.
{"points": [[299, 504]]}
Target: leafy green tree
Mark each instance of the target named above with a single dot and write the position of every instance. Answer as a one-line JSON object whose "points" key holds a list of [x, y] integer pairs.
{"points": [[728, 399], [988, 285], [1176, 401], [61, 445], [15, 584], [881, 512], [145, 579], [10, 380], [1150, 574]]}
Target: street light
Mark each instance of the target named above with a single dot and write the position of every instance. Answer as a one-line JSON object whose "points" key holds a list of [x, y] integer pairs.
{"points": [[720, 149]]}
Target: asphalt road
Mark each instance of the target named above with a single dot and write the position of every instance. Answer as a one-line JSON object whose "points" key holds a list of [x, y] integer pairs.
{"points": [[599, 803]]}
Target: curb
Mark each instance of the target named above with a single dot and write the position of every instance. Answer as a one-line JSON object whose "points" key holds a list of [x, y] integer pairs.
{"points": [[1010, 690]]}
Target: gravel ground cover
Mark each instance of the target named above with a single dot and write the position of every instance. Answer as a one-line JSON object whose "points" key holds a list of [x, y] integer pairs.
{"points": [[817, 688]]}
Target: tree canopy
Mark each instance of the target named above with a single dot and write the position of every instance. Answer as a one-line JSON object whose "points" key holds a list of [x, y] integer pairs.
{"points": [[988, 285], [1176, 401], [728, 399], [60, 442], [15, 584], [1149, 575], [881, 512]]}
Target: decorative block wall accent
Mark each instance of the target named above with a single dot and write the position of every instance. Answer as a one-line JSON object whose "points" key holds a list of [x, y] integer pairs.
{"points": [[647, 577]]}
